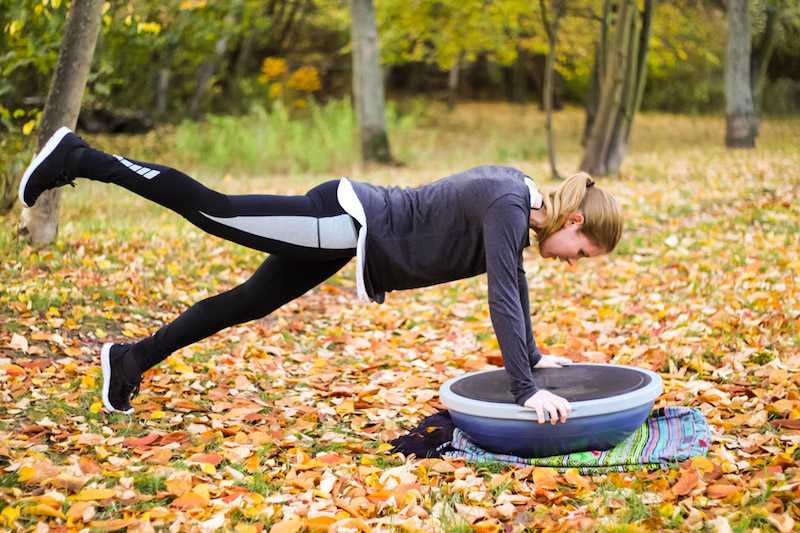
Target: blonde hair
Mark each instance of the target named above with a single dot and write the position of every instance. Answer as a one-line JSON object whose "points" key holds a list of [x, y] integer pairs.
{"points": [[601, 213]]}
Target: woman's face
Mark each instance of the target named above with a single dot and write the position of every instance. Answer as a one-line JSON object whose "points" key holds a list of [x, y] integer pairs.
{"points": [[569, 244]]}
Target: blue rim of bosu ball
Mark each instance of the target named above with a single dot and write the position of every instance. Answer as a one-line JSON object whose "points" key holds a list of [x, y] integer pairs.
{"points": [[609, 402]]}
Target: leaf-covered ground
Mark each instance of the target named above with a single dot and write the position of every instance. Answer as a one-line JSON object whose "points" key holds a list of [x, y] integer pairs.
{"points": [[283, 422]]}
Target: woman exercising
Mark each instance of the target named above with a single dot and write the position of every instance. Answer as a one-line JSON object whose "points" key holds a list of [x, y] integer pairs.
{"points": [[459, 226]]}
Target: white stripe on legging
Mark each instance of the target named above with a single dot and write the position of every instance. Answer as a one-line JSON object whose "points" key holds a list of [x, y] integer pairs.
{"points": [[335, 232], [148, 173]]}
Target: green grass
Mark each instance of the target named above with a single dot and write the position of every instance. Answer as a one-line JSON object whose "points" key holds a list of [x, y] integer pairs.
{"points": [[148, 483], [259, 484], [451, 521], [491, 467], [277, 141]]}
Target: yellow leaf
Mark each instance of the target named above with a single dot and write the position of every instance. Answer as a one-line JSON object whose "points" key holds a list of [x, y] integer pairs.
{"points": [[26, 473], [702, 463], [10, 514], [87, 381], [14, 27], [320, 523], [666, 510], [252, 463], [27, 128], [44, 510], [208, 468], [96, 407], [94, 494], [346, 407], [155, 415]]}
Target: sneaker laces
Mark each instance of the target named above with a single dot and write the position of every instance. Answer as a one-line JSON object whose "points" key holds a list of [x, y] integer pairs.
{"points": [[63, 178], [134, 391]]}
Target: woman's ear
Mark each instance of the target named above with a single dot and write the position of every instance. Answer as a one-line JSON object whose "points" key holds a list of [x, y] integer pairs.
{"points": [[575, 218]]}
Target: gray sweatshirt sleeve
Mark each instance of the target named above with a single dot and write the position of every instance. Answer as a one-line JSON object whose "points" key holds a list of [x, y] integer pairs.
{"points": [[522, 283], [504, 227]]}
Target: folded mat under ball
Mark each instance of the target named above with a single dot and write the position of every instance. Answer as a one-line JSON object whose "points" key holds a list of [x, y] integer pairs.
{"points": [[669, 436]]}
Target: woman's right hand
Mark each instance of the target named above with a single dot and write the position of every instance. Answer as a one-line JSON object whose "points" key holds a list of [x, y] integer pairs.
{"points": [[545, 400]]}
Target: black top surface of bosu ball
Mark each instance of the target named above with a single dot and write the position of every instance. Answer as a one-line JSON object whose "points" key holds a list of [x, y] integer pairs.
{"points": [[574, 382]]}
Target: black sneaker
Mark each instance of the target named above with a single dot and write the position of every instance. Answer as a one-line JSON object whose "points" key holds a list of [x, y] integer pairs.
{"points": [[49, 167], [118, 389]]}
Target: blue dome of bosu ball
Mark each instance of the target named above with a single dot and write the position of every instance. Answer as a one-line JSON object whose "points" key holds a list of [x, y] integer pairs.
{"points": [[609, 402]]}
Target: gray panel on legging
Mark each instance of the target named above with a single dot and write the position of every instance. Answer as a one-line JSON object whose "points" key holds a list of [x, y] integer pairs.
{"points": [[337, 232], [301, 231]]}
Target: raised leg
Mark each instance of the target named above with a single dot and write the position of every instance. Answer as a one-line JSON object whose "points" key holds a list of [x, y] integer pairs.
{"points": [[311, 226]]}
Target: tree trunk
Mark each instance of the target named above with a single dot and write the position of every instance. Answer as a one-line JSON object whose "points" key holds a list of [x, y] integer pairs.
{"points": [[210, 66], [368, 83], [204, 75], [162, 91], [621, 65], [452, 82], [551, 28], [739, 113], [759, 60], [592, 98], [519, 76], [634, 87], [63, 106]]}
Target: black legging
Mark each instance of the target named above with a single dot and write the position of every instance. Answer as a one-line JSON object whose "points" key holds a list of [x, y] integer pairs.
{"points": [[314, 239]]}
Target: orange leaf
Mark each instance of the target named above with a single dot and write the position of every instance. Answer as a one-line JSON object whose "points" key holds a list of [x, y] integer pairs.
{"points": [[88, 466], [686, 483], [179, 483], [349, 523], [788, 423], [114, 523], [208, 458], [77, 511], [290, 525], [190, 500], [487, 526], [545, 478], [331, 459], [13, 370], [136, 442], [320, 524], [721, 490], [177, 436]]}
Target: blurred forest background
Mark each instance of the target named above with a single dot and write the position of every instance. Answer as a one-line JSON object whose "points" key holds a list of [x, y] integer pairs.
{"points": [[267, 86], [167, 61]]}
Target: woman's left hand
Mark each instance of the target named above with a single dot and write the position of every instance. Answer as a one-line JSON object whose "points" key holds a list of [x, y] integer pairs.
{"points": [[552, 361]]}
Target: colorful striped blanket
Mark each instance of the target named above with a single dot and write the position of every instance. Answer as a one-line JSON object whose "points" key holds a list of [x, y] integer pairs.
{"points": [[669, 436]]}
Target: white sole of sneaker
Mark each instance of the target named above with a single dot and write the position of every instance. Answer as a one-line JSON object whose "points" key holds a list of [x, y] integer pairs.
{"points": [[105, 362], [51, 144]]}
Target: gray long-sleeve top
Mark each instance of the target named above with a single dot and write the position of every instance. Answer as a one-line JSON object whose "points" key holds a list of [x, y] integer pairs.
{"points": [[459, 226]]}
